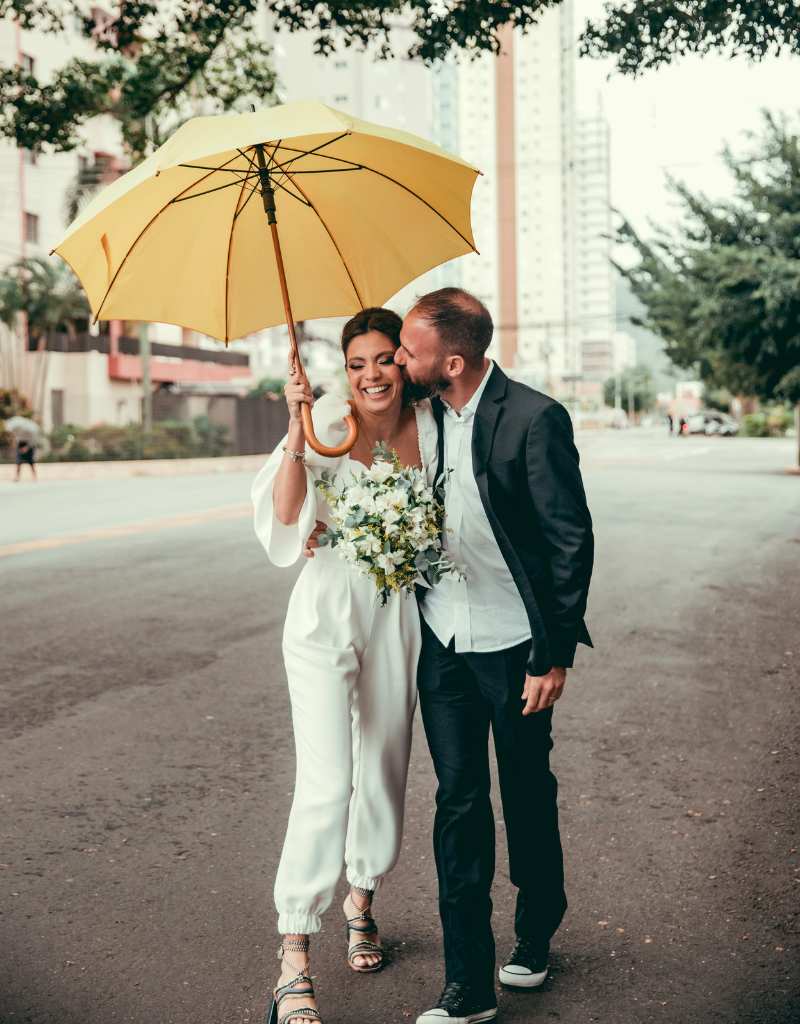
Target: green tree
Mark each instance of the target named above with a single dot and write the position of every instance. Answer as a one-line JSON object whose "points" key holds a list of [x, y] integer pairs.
{"points": [[642, 35], [635, 387], [152, 58], [47, 292], [152, 62], [723, 290]]}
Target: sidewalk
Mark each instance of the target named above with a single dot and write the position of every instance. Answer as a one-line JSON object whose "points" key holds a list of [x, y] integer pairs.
{"points": [[118, 469]]}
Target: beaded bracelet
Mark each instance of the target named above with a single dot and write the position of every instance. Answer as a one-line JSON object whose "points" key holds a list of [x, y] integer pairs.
{"points": [[295, 456]]}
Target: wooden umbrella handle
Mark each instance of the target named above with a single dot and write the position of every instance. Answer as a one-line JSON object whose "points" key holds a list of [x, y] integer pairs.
{"points": [[317, 445]]}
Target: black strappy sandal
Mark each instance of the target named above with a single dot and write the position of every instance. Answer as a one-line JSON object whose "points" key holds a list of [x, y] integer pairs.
{"points": [[300, 985], [364, 924]]}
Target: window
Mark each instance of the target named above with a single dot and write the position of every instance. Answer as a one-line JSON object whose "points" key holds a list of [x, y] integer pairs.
{"points": [[31, 227], [57, 407]]}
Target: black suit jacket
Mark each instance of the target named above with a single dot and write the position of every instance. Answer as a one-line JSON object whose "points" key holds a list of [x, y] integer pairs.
{"points": [[527, 469]]}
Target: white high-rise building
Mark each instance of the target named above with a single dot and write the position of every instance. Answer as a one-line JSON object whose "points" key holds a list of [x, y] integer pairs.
{"points": [[595, 277], [544, 83], [540, 209]]}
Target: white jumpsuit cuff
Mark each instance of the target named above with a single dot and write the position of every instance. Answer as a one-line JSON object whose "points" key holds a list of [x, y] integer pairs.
{"points": [[363, 881], [299, 924], [283, 542]]}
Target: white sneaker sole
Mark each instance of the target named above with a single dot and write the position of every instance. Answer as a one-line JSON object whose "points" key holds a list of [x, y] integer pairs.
{"points": [[527, 980], [437, 1016]]}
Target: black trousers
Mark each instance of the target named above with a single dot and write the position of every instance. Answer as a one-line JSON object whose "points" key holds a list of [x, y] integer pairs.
{"points": [[461, 697]]}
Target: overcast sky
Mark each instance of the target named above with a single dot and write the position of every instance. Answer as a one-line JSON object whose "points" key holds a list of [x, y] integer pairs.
{"points": [[677, 120]]}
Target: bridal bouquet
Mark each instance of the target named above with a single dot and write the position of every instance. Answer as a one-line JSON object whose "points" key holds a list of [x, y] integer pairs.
{"points": [[387, 523]]}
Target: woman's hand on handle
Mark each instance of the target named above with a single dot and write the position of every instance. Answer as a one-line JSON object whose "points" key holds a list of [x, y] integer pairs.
{"points": [[297, 392]]}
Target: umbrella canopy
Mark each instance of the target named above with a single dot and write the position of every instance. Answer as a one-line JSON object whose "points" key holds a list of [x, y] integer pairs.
{"points": [[182, 238], [23, 428]]}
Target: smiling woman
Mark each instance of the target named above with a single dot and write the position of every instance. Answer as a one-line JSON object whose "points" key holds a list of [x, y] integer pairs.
{"points": [[350, 666]]}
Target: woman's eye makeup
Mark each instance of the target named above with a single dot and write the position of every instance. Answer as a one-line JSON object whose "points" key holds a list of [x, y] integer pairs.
{"points": [[387, 360]]}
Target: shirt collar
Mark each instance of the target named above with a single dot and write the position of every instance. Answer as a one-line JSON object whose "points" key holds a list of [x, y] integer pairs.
{"points": [[471, 407]]}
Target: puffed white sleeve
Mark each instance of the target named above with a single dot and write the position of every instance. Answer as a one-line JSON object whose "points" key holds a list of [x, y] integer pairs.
{"points": [[283, 542]]}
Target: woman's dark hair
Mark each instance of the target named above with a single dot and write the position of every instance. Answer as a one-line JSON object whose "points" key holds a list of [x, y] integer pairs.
{"points": [[373, 319]]}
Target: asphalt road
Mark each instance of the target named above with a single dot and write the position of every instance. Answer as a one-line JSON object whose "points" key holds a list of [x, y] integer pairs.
{"points": [[147, 762]]}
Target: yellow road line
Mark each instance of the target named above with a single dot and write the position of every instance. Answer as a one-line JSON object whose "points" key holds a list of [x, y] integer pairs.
{"points": [[129, 529]]}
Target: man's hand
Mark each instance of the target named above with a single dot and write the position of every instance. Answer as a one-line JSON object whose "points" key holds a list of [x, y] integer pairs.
{"points": [[540, 692], [312, 541]]}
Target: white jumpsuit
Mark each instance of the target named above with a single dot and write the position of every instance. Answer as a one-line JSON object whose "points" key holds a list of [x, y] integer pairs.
{"points": [[351, 667]]}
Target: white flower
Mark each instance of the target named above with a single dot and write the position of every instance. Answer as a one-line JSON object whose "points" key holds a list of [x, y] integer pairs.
{"points": [[389, 561], [399, 497], [382, 501], [349, 550], [380, 471], [369, 544], [390, 517]]}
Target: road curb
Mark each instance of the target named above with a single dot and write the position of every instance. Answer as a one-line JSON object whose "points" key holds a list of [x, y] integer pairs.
{"points": [[140, 467]]}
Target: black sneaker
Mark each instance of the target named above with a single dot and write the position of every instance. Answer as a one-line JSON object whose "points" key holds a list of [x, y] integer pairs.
{"points": [[459, 1004], [527, 965]]}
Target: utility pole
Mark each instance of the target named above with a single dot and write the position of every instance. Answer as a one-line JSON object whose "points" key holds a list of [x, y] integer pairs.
{"points": [[630, 398], [144, 335], [147, 390]]}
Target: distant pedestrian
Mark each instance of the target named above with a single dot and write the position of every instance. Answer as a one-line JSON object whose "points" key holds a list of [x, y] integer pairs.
{"points": [[26, 453], [670, 424], [681, 426]]}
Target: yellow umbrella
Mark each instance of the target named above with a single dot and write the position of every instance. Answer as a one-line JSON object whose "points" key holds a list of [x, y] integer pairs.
{"points": [[362, 210]]}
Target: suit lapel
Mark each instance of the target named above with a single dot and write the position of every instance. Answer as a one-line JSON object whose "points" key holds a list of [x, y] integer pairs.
{"points": [[438, 415], [487, 416]]}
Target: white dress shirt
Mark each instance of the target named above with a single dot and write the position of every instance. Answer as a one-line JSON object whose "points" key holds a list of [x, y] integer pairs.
{"points": [[484, 611]]}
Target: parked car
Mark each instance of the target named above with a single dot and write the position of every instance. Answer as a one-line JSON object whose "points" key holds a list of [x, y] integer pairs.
{"points": [[712, 422]]}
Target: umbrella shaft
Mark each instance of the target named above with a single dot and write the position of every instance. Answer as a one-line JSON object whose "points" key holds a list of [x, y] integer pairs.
{"points": [[268, 198], [267, 191]]}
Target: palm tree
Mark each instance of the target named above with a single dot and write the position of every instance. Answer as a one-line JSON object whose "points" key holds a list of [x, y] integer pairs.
{"points": [[47, 292], [49, 295]]}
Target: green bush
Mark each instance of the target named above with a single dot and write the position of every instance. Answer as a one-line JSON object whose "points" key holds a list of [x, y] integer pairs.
{"points": [[211, 437], [769, 423], [170, 439], [267, 386]]}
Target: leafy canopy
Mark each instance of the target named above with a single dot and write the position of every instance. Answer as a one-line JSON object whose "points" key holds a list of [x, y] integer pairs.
{"points": [[643, 34], [151, 58], [724, 289]]}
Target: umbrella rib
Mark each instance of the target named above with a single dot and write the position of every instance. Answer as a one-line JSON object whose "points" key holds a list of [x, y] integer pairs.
{"points": [[145, 229], [204, 167], [330, 235], [273, 179], [332, 170], [304, 152], [240, 211], [236, 210], [394, 181], [252, 191], [208, 191]]}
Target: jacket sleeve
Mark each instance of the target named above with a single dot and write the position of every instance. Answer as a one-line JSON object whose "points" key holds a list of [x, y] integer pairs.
{"points": [[556, 489]]}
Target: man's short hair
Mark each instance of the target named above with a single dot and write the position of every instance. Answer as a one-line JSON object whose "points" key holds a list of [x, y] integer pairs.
{"points": [[461, 320]]}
